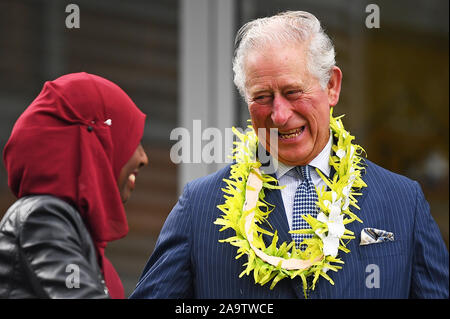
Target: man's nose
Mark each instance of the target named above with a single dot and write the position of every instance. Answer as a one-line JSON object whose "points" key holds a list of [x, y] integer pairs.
{"points": [[281, 111]]}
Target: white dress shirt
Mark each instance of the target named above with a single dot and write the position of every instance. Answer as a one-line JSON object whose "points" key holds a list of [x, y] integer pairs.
{"points": [[290, 178]]}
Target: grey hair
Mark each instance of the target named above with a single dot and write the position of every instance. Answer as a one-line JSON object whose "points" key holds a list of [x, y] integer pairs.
{"points": [[285, 27]]}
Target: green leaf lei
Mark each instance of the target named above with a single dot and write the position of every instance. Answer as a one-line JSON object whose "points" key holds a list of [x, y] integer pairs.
{"points": [[272, 262]]}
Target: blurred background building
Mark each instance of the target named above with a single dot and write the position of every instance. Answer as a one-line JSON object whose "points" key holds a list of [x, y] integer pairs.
{"points": [[174, 60]]}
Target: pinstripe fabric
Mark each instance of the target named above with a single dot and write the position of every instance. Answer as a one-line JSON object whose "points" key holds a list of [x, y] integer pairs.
{"points": [[189, 262]]}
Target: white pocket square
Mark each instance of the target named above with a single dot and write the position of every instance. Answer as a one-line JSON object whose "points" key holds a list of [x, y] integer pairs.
{"points": [[373, 236]]}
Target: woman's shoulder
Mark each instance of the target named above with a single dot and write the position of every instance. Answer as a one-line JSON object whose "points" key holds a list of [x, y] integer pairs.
{"points": [[35, 208]]}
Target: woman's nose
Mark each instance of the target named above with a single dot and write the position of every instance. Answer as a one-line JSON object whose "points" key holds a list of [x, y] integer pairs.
{"points": [[143, 156]]}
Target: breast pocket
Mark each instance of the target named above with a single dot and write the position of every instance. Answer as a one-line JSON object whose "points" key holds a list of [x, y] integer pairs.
{"points": [[380, 250]]}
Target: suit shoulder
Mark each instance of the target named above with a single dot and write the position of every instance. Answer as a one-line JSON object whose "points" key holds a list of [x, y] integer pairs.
{"points": [[211, 181], [380, 175]]}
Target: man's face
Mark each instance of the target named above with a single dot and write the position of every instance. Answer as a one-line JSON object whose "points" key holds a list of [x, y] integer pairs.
{"points": [[282, 94]]}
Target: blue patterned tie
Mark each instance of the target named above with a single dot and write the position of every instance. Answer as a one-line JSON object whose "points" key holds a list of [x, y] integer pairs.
{"points": [[304, 203]]}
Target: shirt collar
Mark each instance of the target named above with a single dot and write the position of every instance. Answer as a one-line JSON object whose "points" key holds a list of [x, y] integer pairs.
{"points": [[321, 161]]}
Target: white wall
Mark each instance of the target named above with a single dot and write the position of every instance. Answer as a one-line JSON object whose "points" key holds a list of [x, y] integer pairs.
{"points": [[206, 81]]}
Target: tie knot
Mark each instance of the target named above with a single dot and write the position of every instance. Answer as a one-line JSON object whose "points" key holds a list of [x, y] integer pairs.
{"points": [[304, 172]]}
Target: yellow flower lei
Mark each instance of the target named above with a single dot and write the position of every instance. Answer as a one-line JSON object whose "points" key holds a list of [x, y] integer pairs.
{"points": [[276, 263]]}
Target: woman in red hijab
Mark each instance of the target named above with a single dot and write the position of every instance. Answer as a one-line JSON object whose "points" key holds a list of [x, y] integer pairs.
{"points": [[72, 159]]}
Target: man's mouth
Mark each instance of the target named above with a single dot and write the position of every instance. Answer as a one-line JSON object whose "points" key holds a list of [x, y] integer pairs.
{"points": [[291, 133]]}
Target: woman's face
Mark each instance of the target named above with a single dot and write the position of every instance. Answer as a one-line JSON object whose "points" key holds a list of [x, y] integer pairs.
{"points": [[127, 177]]}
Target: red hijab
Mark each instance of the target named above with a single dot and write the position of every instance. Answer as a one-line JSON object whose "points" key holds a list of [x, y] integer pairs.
{"points": [[72, 142]]}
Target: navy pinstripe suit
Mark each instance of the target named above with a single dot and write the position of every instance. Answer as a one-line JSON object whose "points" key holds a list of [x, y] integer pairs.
{"points": [[189, 262]]}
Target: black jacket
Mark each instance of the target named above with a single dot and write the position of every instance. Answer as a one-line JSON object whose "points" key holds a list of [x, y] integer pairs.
{"points": [[47, 252]]}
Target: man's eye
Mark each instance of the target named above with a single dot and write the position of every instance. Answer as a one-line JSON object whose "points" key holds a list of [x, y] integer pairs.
{"points": [[262, 99], [293, 94]]}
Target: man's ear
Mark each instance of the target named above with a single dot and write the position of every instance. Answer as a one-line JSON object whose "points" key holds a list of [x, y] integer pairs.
{"points": [[334, 86]]}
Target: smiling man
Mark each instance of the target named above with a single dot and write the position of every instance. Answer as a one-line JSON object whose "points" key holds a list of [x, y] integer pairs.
{"points": [[338, 222], [281, 93]]}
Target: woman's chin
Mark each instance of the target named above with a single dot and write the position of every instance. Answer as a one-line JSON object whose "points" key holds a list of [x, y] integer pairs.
{"points": [[125, 196]]}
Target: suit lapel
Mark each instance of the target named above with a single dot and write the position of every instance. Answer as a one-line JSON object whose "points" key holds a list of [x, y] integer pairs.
{"points": [[322, 283], [364, 191], [296, 283], [277, 218]]}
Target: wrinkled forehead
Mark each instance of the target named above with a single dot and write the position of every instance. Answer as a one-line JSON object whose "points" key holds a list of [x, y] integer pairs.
{"points": [[276, 61]]}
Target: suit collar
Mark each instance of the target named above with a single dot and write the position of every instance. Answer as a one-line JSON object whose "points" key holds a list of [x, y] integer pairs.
{"points": [[321, 161], [277, 218]]}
